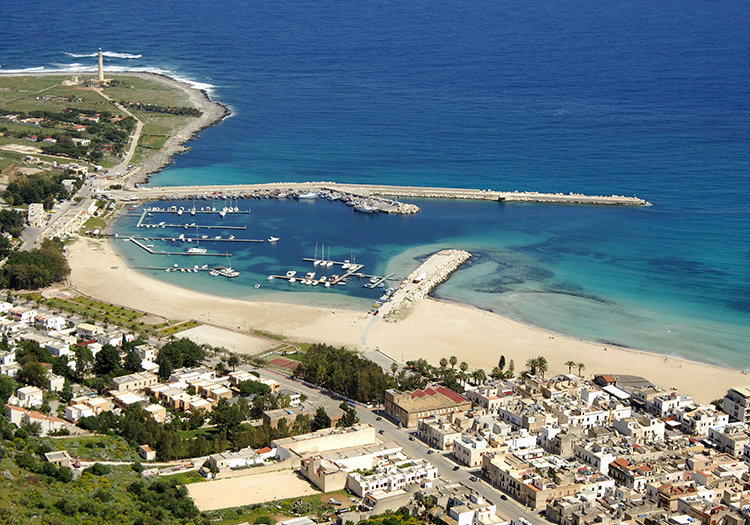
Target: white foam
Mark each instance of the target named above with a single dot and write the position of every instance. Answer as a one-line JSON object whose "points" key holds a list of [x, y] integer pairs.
{"points": [[109, 54], [26, 70]]}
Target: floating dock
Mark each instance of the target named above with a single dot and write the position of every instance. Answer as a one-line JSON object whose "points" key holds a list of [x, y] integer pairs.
{"points": [[198, 239], [155, 252]]}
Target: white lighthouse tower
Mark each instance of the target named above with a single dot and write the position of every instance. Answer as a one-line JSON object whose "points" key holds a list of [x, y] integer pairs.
{"points": [[100, 78]]}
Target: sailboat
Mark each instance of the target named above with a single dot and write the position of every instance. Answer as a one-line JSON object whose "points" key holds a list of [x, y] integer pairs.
{"points": [[329, 262], [196, 250], [225, 271]]}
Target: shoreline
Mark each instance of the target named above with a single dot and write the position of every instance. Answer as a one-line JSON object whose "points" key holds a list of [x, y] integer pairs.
{"points": [[212, 112], [429, 328]]}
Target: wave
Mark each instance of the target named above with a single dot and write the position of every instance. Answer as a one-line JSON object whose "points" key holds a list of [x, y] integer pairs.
{"points": [[26, 70], [108, 54]]}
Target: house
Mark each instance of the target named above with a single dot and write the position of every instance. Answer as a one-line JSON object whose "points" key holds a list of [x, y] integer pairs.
{"points": [[737, 403], [61, 458], [55, 383], [30, 396], [23, 315], [87, 331], [469, 450], [147, 453], [76, 412], [158, 412], [409, 407], [137, 381], [21, 416], [50, 323]]}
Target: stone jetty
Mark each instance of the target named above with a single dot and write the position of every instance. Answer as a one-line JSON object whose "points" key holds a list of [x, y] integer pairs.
{"points": [[423, 280]]}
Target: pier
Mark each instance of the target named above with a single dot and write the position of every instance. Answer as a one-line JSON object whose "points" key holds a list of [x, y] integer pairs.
{"points": [[384, 198], [190, 239], [155, 252], [149, 211]]}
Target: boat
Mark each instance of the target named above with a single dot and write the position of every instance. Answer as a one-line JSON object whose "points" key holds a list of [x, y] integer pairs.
{"points": [[228, 272], [273, 239], [257, 286], [223, 213], [270, 278], [292, 280], [193, 250], [366, 208], [291, 273], [327, 284], [307, 195]]}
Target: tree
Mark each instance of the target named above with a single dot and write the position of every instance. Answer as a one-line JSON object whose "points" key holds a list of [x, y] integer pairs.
{"points": [[251, 388], [570, 365], [453, 360], [542, 365], [226, 417], [7, 387], [60, 366], [107, 360], [479, 376], [497, 373], [443, 362], [581, 367], [33, 373], [350, 415], [320, 420], [83, 361], [133, 362], [220, 368], [66, 394], [197, 418], [233, 361], [394, 368], [501, 363]]}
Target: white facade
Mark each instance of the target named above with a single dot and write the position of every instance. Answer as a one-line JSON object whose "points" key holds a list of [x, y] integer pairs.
{"points": [[595, 455], [30, 396], [469, 450], [391, 477]]}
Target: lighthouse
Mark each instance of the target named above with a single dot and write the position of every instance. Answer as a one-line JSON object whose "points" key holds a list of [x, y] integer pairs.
{"points": [[100, 78]]}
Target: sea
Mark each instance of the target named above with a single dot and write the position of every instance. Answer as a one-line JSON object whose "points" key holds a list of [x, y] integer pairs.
{"points": [[631, 98]]}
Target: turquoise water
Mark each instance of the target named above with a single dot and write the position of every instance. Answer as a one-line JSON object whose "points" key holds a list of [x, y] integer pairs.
{"points": [[651, 98]]}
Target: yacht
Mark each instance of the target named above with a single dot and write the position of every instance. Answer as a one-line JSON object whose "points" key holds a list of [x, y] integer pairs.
{"points": [[273, 239], [193, 250], [291, 273], [307, 195]]}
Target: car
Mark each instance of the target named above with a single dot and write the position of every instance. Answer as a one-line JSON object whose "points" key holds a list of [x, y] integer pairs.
{"points": [[378, 418], [456, 467], [473, 478], [430, 451], [381, 431], [503, 497], [411, 438], [77, 464]]}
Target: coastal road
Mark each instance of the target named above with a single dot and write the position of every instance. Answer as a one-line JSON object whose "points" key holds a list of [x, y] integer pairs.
{"points": [[508, 508]]}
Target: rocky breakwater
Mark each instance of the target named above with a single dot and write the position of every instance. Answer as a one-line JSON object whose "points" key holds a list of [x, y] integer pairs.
{"points": [[423, 280]]}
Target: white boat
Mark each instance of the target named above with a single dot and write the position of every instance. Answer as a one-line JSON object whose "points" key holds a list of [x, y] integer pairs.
{"points": [[307, 195], [196, 250], [226, 271], [257, 286], [281, 195], [179, 212], [291, 273], [346, 264], [329, 264], [270, 278], [292, 280], [327, 285], [223, 213], [273, 239], [310, 275]]}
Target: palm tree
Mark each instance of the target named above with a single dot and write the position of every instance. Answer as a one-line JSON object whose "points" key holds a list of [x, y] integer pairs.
{"points": [[233, 361], [511, 370], [570, 365], [496, 373], [394, 368], [453, 360], [443, 362], [464, 366], [531, 365], [542, 365], [479, 376], [581, 367]]}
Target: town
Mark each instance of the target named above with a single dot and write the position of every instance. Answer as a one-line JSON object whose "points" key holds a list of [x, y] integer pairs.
{"points": [[502, 449]]}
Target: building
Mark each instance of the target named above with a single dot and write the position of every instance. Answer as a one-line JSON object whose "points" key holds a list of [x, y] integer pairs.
{"points": [[137, 381], [409, 407], [468, 450], [438, 432], [392, 476], [61, 458], [737, 404], [20, 416], [35, 215], [640, 430], [731, 438], [22, 315], [88, 332], [271, 418], [326, 440], [147, 453], [30, 396], [50, 323]]}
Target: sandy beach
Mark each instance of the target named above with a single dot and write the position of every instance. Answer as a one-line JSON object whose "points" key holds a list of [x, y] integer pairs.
{"points": [[431, 329]]}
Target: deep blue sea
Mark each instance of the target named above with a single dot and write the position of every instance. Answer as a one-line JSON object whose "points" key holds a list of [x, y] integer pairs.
{"points": [[645, 98]]}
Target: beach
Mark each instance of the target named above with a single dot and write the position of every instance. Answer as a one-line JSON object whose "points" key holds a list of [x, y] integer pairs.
{"points": [[428, 329]]}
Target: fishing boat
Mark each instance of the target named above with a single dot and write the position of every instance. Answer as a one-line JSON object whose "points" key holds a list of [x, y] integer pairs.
{"points": [[291, 273], [273, 239], [307, 195]]}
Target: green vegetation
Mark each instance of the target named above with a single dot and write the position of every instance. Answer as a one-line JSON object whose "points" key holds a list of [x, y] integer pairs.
{"points": [[177, 354], [347, 373], [11, 222], [35, 491], [35, 269]]}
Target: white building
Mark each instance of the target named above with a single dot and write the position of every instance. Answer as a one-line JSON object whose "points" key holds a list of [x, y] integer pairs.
{"points": [[469, 450], [22, 315], [641, 430], [75, 412], [737, 403], [595, 454], [87, 331], [391, 477], [50, 323], [30, 396]]}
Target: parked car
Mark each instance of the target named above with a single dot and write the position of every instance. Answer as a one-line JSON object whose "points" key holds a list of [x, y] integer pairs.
{"points": [[473, 478], [456, 467], [503, 497], [378, 418], [411, 438], [381, 431]]}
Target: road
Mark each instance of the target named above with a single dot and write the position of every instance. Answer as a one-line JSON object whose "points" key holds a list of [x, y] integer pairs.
{"points": [[508, 509]]}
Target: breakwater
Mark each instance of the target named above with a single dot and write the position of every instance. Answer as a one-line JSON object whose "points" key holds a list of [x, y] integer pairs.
{"points": [[423, 280], [375, 198]]}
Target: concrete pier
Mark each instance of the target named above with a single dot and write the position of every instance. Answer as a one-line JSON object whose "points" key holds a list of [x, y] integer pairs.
{"points": [[384, 197]]}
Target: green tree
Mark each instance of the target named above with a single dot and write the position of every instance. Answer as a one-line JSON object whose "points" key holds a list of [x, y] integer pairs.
{"points": [[107, 360], [250, 388], [350, 415], [542, 365], [570, 365], [501, 363], [443, 362], [133, 362], [33, 373], [233, 361], [581, 368], [394, 368], [453, 360], [84, 360], [320, 420], [226, 417], [7, 387], [197, 418]]}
